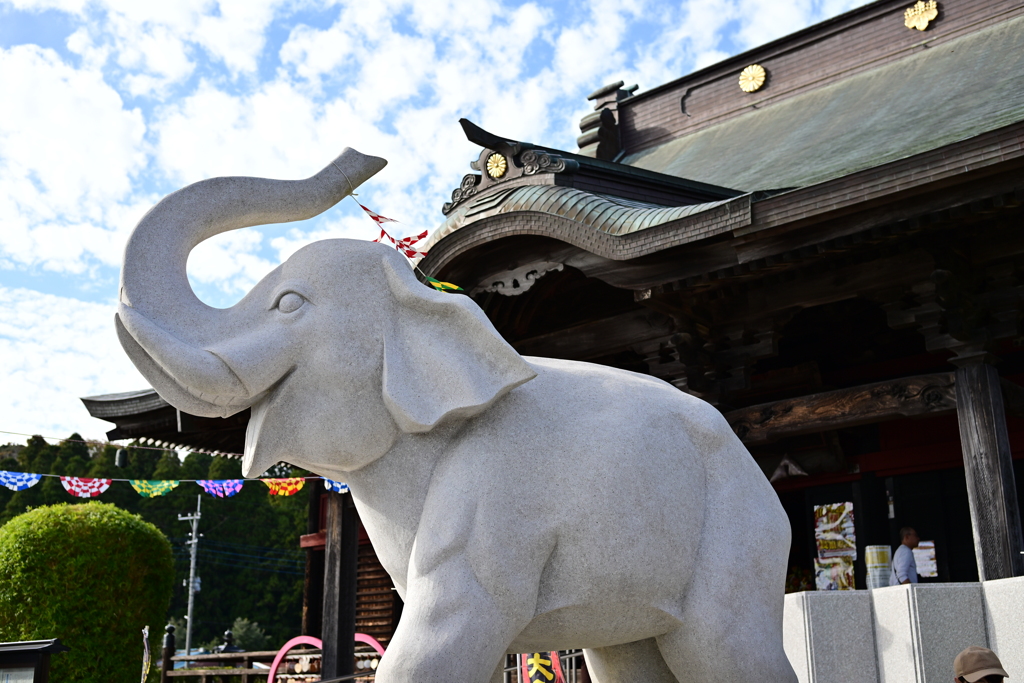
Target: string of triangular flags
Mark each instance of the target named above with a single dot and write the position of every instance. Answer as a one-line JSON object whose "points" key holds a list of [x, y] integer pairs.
{"points": [[91, 487], [405, 245]]}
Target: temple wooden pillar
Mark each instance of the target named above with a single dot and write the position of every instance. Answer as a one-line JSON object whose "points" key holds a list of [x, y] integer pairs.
{"points": [[991, 489], [341, 559], [312, 541]]}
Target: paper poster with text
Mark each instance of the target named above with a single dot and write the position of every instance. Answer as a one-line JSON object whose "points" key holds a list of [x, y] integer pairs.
{"points": [[833, 531], [834, 574]]}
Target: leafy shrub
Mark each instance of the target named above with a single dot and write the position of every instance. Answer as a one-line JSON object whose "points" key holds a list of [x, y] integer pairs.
{"points": [[92, 575]]}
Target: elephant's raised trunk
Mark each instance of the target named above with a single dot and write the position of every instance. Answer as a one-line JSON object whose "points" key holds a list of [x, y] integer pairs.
{"points": [[163, 326]]}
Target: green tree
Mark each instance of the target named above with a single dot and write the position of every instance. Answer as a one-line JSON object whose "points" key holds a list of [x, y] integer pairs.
{"points": [[37, 457], [8, 461], [72, 460], [91, 575]]}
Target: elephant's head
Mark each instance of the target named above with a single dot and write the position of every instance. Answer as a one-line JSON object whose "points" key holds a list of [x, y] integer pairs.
{"points": [[338, 351]]}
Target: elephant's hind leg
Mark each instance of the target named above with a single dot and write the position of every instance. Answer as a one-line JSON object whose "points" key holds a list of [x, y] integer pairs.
{"points": [[629, 663], [730, 619]]}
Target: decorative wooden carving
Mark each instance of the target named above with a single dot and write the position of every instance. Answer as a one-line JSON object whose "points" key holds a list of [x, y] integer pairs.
{"points": [[906, 397]]}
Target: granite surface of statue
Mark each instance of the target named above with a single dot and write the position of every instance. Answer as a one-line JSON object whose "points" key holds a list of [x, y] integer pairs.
{"points": [[519, 504]]}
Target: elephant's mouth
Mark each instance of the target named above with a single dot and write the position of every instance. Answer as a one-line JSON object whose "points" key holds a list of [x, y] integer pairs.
{"points": [[258, 457]]}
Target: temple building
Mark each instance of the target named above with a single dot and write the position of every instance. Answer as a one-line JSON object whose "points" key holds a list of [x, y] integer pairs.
{"points": [[823, 237]]}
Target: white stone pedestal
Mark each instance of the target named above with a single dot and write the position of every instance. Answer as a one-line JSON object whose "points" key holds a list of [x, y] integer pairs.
{"points": [[828, 636], [920, 628], [1004, 621], [902, 634]]}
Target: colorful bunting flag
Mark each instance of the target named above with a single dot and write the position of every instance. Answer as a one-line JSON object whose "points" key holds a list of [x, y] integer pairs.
{"points": [[151, 488], [19, 481], [84, 487], [443, 286], [284, 487], [336, 486], [222, 488]]}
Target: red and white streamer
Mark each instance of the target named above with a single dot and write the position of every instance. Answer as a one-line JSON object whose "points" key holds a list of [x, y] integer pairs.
{"points": [[403, 245]]}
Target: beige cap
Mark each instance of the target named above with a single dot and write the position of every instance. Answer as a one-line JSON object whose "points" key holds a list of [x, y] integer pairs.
{"points": [[975, 663]]}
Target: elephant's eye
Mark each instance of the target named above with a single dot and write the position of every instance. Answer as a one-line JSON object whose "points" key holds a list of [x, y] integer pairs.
{"points": [[289, 302]]}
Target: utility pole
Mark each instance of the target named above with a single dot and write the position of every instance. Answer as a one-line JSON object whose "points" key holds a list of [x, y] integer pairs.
{"points": [[194, 542]]}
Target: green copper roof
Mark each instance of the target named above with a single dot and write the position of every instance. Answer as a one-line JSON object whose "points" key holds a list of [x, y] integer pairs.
{"points": [[602, 213], [934, 97]]}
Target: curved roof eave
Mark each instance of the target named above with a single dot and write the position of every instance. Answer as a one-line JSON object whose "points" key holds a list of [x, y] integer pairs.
{"points": [[607, 226]]}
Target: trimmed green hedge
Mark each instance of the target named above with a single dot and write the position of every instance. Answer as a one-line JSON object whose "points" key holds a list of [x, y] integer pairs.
{"points": [[92, 575]]}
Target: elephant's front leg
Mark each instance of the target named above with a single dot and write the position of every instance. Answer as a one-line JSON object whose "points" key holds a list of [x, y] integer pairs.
{"points": [[452, 630]]}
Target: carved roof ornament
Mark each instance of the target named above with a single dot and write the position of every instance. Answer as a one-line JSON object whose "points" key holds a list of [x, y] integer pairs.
{"points": [[752, 78], [600, 128], [515, 281], [501, 161], [920, 14]]}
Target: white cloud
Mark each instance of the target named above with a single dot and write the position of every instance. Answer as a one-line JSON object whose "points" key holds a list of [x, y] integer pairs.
{"points": [[70, 6], [156, 58], [154, 41], [584, 53], [56, 350], [69, 154], [349, 227], [230, 263]]}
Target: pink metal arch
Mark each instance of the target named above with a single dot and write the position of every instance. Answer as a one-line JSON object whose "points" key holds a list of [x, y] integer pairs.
{"points": [[317, 643], [371, 641]]}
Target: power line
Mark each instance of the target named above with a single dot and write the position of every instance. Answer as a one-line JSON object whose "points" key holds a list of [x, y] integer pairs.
{"points": [[281, 561], [243, 546]]}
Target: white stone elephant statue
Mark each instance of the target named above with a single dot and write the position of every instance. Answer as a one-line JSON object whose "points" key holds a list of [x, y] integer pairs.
{"points": [[519, 504]]}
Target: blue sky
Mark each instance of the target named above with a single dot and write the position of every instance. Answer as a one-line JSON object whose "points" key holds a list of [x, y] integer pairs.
{"points": [[108, 105]]}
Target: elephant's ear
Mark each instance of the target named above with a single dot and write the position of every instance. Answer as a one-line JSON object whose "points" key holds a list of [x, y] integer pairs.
{"points": [[442, 356]]}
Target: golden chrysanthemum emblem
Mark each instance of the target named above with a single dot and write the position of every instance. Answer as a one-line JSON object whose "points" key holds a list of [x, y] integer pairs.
{"points": [[921, 14], [752, 78], [496, 165]]}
